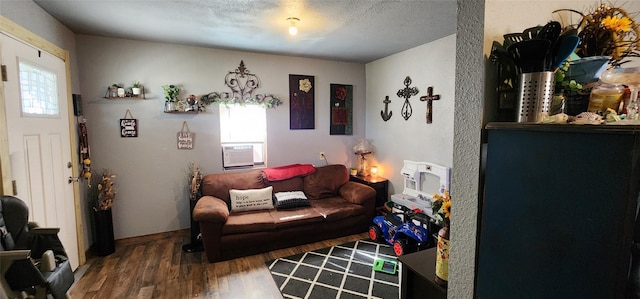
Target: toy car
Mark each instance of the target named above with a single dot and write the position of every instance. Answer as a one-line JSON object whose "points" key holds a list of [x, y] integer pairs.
{"points": [[405, 236]]}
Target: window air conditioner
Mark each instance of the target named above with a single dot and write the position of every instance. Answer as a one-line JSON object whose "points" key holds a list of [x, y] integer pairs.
{"points": [[238, 155]]}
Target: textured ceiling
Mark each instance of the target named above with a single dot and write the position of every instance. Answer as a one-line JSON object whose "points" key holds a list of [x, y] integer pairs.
{"points": [[346, 30]]}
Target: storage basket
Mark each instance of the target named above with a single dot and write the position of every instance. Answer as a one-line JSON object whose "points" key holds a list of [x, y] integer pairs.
{"points": [[535, 93]]}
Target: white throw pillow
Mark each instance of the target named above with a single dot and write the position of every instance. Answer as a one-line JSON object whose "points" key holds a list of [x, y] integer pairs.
{"points": [[252, 199]]}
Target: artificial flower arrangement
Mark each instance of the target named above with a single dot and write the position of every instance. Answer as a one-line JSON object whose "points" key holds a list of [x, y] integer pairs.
{"points": [[195, 179], [224, 98], [607, 31], [104, 192], [305, 85], [441, 205]]}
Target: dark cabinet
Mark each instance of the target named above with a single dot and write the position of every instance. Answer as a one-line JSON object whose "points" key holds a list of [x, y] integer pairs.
{"points": [[418, 276], [559, 211]]}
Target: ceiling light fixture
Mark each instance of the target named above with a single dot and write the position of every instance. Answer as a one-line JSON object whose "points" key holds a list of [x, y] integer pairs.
{"points": [[293, 30]]}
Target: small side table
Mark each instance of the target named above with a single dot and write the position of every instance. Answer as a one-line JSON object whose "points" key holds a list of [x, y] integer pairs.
{"points": [[380, 184], [418, 276]]}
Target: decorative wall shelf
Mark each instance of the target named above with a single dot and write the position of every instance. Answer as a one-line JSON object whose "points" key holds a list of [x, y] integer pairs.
{"points": [[128, 94], [183, 112]]}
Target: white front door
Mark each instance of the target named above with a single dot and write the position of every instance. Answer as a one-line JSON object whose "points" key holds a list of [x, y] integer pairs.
{"points": [[39, 143]]}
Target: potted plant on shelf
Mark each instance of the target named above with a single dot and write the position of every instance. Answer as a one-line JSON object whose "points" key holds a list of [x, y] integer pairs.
{"points": [[170, 96], [135, 88], [119, 90], [102, 192], [113, 90]]}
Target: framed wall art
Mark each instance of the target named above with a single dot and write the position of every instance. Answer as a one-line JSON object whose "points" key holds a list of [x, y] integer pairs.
{"points": [[302, 102], [341, 109]]}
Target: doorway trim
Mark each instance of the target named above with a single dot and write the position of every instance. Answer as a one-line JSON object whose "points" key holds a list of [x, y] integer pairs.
{"points": [[13, 29]]}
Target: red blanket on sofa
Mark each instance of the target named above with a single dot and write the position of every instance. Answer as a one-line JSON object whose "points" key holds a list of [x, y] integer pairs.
{"points": [[288, 171]]}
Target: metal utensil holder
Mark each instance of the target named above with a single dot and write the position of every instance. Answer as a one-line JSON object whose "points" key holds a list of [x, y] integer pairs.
{"points": [[535, 93]]}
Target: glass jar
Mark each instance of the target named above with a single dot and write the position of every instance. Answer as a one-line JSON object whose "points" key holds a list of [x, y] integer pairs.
{"points": [[604, 96]]}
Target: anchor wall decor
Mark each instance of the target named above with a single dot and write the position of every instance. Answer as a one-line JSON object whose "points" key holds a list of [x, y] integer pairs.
{"points": [[406, 93], [386, 114], [429, 98]]}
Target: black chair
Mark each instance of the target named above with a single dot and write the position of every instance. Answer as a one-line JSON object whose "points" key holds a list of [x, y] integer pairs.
{"points": [[22, 245]]}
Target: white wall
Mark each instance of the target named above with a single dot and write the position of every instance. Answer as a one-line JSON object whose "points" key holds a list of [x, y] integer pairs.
{"points": [[152, 173], [466, 147], [397, 139]]}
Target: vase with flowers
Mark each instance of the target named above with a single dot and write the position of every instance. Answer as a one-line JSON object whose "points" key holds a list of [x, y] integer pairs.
{"points": [[609, 35], [442, 209], [101, 194], [606, 32]]}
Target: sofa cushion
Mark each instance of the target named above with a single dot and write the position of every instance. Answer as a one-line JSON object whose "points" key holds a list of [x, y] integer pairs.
{"points": [[219, 184], [251, 200], [296, 217], [326, 181], [336, 208], [290, 200], [248, 222], [292, 184]]}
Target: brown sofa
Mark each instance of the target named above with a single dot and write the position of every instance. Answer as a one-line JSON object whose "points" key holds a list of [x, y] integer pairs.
{"points": [[337, 208]]}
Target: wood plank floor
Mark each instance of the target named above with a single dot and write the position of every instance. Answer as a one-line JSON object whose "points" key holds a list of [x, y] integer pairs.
{"points": [[156, 267]]}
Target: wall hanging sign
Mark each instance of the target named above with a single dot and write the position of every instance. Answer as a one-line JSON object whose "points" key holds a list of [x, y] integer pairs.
{"points": [[429, 98], [128, 125], [341, 109], [302, 101], [406, 93], [386, 114], [185, 137]]}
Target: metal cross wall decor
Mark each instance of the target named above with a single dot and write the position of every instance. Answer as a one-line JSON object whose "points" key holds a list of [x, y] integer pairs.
{"points": [[429, 98], [386, 114], [406, 93], [242, 83]]}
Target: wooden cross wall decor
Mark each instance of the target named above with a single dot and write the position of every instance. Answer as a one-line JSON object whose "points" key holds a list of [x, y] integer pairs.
{"points": [[429, 98], [406, 93]]}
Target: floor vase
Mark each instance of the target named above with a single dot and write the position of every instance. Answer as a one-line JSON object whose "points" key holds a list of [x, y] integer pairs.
{"points": [[442, 256], [104, 239]]}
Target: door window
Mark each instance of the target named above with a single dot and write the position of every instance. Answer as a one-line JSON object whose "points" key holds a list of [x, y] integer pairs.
{"points": [[38, 90]]}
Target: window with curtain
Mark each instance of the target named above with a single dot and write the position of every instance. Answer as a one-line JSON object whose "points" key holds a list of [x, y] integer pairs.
{"points": [[243, 126]]}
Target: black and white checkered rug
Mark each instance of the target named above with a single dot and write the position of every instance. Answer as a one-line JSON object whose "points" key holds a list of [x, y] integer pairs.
{"points": [[341, 271]]}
